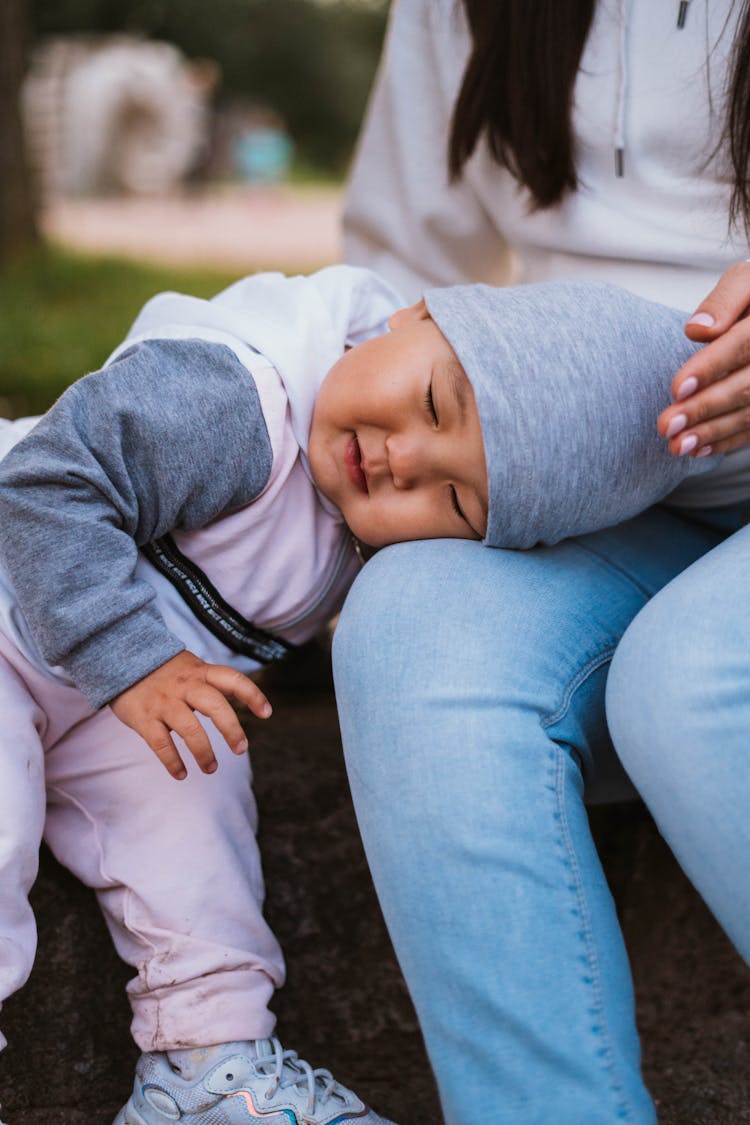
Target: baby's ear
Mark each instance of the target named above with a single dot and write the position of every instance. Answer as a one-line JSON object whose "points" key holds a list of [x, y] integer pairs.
{"points": [[407, 316]]}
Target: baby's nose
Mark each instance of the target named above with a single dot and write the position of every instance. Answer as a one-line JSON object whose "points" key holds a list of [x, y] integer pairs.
{"points": [[406, 461]]}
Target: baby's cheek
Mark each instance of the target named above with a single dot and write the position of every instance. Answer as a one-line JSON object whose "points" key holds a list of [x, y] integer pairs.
{"points": [[362, 525]]}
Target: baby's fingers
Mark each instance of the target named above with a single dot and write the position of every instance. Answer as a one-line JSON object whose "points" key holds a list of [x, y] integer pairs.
{"points": [[181, 719], [160, 741], [211, 702], [232, 683]]}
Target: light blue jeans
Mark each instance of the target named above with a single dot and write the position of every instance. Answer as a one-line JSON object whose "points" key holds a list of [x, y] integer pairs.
{"points": [[471, 689]]}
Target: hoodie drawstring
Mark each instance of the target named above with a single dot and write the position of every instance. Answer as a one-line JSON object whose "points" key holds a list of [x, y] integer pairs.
{"points": [[622, 85], [623, 11]]}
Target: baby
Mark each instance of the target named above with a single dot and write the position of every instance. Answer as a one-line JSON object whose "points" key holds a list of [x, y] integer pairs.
{"points": [[518, 416], [193, 510]]}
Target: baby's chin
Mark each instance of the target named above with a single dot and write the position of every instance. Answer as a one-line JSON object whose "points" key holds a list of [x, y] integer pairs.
{"points": [[369, 538], [364, 532]]}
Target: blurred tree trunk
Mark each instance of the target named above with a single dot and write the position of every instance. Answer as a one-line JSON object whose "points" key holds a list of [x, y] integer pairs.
{"points": [[17, 211]]}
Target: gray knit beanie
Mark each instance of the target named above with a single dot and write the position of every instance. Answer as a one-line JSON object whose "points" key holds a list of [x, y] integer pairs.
{"points": [[569, 378]]}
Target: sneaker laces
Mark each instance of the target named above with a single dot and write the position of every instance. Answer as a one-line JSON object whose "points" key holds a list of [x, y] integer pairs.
{"points": [[286, 1068]]}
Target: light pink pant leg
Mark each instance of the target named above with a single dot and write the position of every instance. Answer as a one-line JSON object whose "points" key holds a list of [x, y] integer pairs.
{"points": [[175, 865], [177, 871], [21, 824]]}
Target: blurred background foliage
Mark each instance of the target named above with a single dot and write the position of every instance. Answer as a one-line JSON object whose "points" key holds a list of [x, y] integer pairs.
{"points": [[63, 313], [309, 62], [312, 62]]}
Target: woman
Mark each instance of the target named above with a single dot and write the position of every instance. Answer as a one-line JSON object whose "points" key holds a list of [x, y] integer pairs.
{"points": [[596, 139]]}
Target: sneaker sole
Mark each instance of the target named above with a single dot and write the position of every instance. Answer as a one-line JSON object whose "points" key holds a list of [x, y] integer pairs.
{"points": [[129, 1116]]}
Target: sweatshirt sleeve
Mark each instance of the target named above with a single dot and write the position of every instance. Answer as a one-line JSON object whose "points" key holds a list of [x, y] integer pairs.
{"points": [[169, 436], [402, 217]]}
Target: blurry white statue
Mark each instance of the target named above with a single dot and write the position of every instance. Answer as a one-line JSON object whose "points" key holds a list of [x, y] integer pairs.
{"points": [[115, 114]]}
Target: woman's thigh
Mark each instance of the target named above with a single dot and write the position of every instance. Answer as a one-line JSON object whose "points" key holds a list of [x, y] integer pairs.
{"points": [[470, 684], [678, 702], [450, 632]]}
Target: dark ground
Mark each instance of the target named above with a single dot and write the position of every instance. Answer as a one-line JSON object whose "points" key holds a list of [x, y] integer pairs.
{"points": [[70, 1059]]}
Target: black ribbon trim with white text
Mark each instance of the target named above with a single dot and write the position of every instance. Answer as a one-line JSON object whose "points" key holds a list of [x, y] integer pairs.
{"points": [[209, 607]]}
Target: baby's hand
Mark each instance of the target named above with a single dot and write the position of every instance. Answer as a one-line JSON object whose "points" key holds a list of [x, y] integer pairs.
{"points": [[166, 700]]}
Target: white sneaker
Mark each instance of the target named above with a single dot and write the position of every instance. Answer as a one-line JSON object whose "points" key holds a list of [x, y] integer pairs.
{"points": [[234, 1083]]}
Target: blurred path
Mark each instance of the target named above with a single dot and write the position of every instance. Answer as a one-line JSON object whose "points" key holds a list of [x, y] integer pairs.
{"points": [[276, 227]]}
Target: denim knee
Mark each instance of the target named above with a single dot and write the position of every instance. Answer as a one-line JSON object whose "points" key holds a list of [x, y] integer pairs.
{"points": [[367, 632], [678, 705], [659, 682]]}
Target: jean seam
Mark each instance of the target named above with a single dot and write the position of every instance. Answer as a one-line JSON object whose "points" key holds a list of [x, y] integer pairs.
{"points": [[580, 677], [606, 1052], [615, 566]]}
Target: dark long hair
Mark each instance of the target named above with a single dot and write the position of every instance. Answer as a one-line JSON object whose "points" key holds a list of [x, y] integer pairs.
{"points": [[517, 90]]}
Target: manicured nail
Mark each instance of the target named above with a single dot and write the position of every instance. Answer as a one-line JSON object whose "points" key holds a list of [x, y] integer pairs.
{"points": [[678, 423], [706, 451], [241, 747], [211, 767], [266, 711], [688, 444], [180, 776], [704, 319], [687, 387]]}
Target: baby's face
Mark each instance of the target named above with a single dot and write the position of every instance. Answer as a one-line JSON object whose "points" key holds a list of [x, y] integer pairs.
{"points": [[395, 441]]}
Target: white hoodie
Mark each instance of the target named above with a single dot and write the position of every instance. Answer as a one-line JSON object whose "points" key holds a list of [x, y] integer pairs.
{"points": [[644, 85]]}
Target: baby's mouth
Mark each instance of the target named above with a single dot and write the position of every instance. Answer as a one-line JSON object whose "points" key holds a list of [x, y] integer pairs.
{"points": [[353, 464]]}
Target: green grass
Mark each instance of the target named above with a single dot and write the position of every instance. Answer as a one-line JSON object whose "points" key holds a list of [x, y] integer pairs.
{"points": [[61, 315], [302, 174]]}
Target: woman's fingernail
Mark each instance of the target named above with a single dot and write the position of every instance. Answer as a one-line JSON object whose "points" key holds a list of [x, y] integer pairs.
{"points": [[678, 423], [688, 444], [706, 451], [704, 319], [266, 711], [687, 387], [211, 767], [241, 747], [180, 775]]}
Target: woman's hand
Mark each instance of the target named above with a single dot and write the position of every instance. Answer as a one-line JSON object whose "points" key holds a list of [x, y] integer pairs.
{"points": [[711, 411], [166, 700]]}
